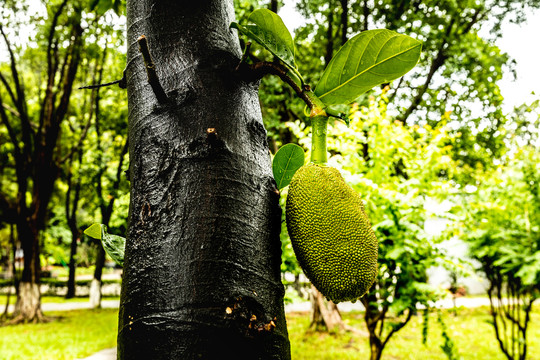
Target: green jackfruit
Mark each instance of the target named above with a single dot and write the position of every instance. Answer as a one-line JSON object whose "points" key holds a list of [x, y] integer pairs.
{"points": [[330, 233]]}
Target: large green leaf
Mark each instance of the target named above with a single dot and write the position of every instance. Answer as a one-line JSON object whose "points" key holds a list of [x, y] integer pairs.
{"points": [[369, 59], [268, 30], [287, 160], [114, 245]]}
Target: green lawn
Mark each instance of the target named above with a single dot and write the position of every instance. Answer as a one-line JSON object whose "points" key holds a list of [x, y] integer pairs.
{"points": [[69, 335], [76, 334], [471, 332]]}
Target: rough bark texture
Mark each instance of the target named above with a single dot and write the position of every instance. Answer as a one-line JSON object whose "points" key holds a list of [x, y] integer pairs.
{"points": [[202, 264]]}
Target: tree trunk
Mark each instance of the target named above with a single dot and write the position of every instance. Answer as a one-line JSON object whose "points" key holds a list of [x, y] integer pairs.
{"points": [[28, 305], [106, 208], [13, 269], [375, 349], [72, 206], [202, 262], [324, 314], [72, 266], [95, 285]]}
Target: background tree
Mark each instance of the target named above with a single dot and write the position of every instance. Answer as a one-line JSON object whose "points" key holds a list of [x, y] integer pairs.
{"points": [[73, 196], [37, 118], [75, 171], [400, 179], [34, 130], [501, 224], [457, 75], [109, 152]]}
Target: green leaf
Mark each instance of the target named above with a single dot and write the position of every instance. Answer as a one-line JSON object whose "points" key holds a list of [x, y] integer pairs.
{"points": [[114, 245], [287, 160], [369, 59], [94, 231], [269, 31]]}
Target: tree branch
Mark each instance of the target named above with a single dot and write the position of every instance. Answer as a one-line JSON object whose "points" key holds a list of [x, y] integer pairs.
{"points": [[344, 20], [153, 78], [11, 132], [97, 86], [398, 327], [258, 70], [95, 95], [439, 60], [19, 100], [14, 71], [71, 73], [51, 36], [9, 90]]}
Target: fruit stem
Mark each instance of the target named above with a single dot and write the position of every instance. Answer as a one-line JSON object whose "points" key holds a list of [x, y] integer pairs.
{"points": [[318, 139]]}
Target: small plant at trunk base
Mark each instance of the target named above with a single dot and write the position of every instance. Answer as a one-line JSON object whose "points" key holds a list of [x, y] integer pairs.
{"points": [[330, 232]]}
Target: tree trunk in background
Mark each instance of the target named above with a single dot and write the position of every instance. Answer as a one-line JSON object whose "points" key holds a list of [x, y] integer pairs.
{"points": [[28, 305], [324, 313], [202, 264], [72, 265], [71, 207], [95, 285], [35, 147], [110, 193]]}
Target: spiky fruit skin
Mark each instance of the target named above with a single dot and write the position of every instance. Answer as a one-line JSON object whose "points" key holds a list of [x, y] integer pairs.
{"points": [[331, 233]]}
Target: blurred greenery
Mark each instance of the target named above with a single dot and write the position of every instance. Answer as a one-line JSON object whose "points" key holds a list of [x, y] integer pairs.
{"points": [[434, 145]]}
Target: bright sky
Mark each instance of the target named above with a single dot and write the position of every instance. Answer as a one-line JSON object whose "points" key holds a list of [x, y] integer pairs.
{"points": [[521, 43]]}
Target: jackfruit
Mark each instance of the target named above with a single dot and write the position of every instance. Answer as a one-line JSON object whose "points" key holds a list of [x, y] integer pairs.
{"points": [[331, 234]]}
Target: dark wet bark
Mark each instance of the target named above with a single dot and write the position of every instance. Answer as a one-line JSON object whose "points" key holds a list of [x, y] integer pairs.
{"points": [[202, 266]]}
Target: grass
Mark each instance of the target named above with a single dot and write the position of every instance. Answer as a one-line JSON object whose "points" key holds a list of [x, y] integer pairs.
{"points": [[68, 335], [76, 334], [470, 330]]}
